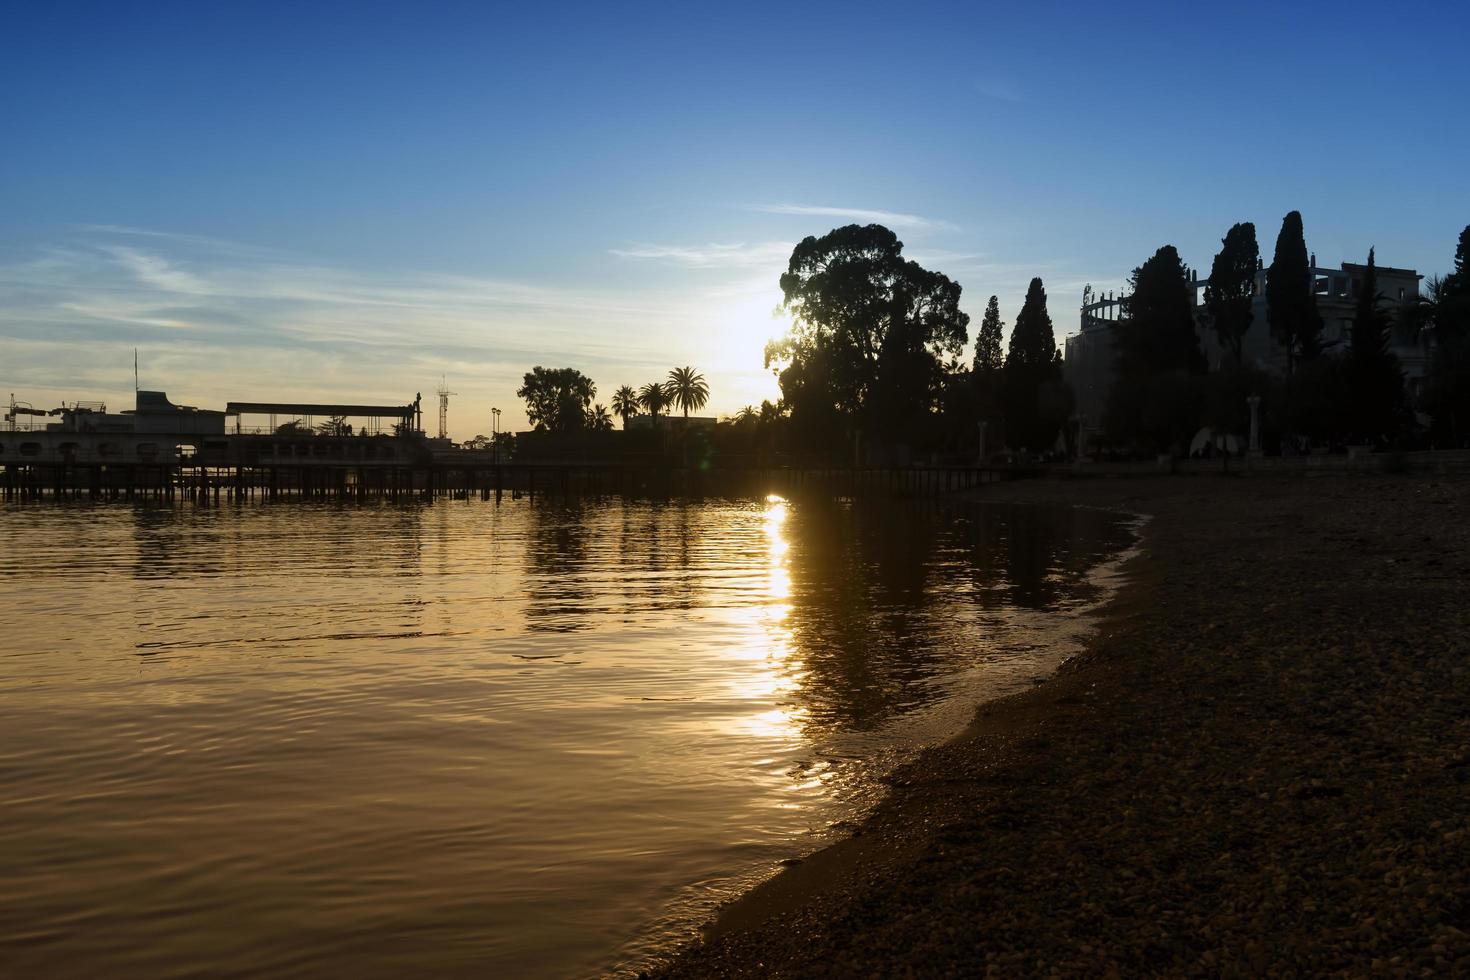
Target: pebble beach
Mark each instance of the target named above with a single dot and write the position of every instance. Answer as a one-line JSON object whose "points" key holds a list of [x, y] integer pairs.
{"points": [[1260, 766]]}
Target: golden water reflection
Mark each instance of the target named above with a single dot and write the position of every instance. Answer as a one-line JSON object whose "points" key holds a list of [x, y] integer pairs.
{"points": [[285, 739]]}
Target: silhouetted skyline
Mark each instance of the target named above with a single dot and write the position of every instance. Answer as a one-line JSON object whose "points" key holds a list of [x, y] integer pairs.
{"points": [[354, 200]]}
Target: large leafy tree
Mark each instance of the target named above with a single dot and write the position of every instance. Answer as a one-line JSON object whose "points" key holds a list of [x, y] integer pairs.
{"points": [[870, 335], [1231, 286], [1035, 400], [557, 399], [687, 390], [1155, 397], [1291, 304], [1377, 383]]}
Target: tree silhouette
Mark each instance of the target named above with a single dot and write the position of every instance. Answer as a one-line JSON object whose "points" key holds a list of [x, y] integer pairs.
{"points": [[687, 390], [988, 353], [1155, 399], [1291, 304], [557, 399], [869, 334], [1375, 380], [1444, 314], [625, 403], [1231, 285], [654, 396], [1035, 404], [598, 419]]}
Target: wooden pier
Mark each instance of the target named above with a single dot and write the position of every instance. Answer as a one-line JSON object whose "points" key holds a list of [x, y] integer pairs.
{"points": [[205, 482]]}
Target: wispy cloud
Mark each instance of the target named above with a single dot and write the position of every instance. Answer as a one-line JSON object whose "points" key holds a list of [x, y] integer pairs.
{"points": [[893, 219], [215, 322], [156, 271], [715, 255]]}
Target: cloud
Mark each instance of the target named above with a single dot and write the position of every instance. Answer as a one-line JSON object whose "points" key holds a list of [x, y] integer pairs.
{"points": [[893, 219], [156, 271], [214, 323], [715, 255]]}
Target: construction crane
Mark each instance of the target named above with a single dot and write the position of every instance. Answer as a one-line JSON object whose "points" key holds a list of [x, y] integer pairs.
{"points": [[444, 393]]}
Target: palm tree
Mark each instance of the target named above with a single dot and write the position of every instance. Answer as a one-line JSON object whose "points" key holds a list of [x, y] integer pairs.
{"points": [[747, 416], [688, 390], [598, 420], [654, 397], [625, 403]]}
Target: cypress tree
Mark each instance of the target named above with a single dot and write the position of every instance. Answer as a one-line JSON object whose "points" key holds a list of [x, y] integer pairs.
{"points": [[1157, 331], [987, 341], [1376, 384], [1033, 371], [1155, 396], [1231, 285], [1291, 305]]}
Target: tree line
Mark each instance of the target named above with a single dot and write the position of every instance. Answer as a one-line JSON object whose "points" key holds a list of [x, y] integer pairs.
{"points": [[561, 399], [874, 356]]}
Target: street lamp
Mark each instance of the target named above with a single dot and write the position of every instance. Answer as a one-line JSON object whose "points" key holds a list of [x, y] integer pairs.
{"points": [[1254, 401], [495, 432]]}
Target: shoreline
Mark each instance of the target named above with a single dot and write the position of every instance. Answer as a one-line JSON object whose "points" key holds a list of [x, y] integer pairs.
{"points": [[798, 881], [1214, 784]]}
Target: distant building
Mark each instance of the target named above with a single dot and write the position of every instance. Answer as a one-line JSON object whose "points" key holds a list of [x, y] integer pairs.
{"points": [[635, 422], [1088, 354]]}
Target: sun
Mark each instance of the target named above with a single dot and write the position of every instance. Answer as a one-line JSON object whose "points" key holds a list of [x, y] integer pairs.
{"points": [[740, 331]]}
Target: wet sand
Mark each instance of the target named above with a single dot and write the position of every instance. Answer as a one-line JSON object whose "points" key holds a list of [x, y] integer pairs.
{"points": [[1260, 765]]}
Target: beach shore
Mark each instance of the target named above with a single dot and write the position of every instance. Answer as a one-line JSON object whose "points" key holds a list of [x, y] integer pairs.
{"points": [[1261, 764]]}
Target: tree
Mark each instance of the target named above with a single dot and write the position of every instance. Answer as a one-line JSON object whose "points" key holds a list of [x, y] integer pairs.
{"points": [[870, 331], [625, 403], [687, 390], [1443, 315], [557, 399], [654, 396], [598, 419], [1376, 382], [1032, 377], [747, 416], [334, 426], [1155, 397], [1291, 304], [988, 354], [1231, 285]]}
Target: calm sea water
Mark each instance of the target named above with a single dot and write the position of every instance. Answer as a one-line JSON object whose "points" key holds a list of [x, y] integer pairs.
{"points": [[527, 739]]}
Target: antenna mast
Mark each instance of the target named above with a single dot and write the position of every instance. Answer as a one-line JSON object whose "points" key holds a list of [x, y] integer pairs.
{"points": [[444, 393]]}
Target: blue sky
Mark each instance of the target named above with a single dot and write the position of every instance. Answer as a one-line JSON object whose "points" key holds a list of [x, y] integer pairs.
{"points": [[349, 200]]}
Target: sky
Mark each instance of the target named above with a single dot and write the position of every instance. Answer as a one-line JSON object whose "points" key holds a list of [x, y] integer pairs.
{"points": [[351, 201]]}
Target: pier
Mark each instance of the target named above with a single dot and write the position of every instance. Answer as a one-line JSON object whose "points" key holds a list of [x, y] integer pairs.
{"points": [[163, 451]]}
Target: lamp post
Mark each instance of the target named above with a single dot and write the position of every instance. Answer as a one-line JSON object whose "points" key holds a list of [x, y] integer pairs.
{"points": [[495, 433], [1254, 401]]}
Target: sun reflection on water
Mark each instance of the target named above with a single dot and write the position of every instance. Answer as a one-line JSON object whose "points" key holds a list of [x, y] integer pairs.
{"points": [[774, 679]]}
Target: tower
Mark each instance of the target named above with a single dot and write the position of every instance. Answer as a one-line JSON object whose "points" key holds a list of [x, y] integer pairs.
{"points": [[444, 393]]}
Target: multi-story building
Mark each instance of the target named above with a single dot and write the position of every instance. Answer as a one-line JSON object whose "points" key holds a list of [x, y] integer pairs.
{"points": [[1089, 354]]}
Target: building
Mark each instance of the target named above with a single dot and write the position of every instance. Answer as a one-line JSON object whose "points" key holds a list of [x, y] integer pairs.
{"points": [[1088, 354]]}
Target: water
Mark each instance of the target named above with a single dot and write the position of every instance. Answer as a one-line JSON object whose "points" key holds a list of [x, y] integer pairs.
{"points": [[528, 739]]}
